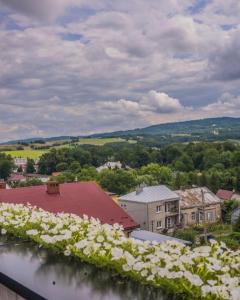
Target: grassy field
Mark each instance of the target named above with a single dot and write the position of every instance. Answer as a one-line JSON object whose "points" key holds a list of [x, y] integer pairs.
{"points": [[35, 154], [102, 141], [27, 153]]}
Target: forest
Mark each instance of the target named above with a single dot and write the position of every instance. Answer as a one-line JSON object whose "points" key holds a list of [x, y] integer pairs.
{"points": [[212, 164]]}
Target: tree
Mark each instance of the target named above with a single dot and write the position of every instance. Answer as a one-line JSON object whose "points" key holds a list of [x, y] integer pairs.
{"points": [[75, 166], [30, 166], [6, 166], [180, 181], [184, 163], [62, 166], [211, 157], [117, 181]]}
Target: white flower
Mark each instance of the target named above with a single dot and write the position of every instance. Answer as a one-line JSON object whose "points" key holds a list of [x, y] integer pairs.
{"points": [[100, 239], [32, 232], [3, 231], [235, 293], [126, 268], [67, 252], [117, 253]]}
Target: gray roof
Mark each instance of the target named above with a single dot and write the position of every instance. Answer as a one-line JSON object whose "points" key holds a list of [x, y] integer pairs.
{"points": [[193, 197], [151, 194], [145, 235]]}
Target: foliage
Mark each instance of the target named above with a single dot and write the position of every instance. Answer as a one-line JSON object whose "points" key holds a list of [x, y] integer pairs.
{"points": [[208, 272], [186, 234], [6, 166], [28, 182], [30, 166], [117, 181]]}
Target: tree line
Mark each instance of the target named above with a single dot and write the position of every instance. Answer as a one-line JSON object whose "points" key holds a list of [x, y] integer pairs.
{"points": [[215, 165]]}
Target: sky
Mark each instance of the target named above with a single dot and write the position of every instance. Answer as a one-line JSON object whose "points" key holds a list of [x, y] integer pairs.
{"points": [[76, 67]]}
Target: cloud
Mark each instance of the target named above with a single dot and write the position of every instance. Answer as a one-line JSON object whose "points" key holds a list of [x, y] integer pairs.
{"points": [[227, 104], [42, 10], [77, 66], [225, 63], [161, 103]]}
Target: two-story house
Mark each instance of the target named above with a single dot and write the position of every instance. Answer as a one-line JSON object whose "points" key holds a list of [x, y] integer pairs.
{"points": [[154, 207], [199, 203]]}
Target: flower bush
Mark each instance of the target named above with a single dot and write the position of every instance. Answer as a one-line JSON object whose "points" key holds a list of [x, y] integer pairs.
{"points": [[207, 272]]}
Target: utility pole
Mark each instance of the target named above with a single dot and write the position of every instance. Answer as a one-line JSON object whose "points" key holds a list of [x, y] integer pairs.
{"points": [[204, 217]]}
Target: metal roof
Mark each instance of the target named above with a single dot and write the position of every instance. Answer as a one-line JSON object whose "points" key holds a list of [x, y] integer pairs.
{"points": [[78, 198], [151, 194], [145, 235], [193, 197]]}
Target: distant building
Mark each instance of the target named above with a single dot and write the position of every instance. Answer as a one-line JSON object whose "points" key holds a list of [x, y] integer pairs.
{"points": [[16, 178], [224, 194], [193, 207], [43, 178], [228, 195], [78, 198], [154, 207], [110, 165], [21, 162], [55, 174]]}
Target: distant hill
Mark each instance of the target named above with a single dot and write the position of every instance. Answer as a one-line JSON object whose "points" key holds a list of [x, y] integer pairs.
{"points": [[214, 126], [204, 129]]}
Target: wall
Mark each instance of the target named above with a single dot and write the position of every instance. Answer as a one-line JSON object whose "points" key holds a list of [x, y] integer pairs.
{"points": [[7, 294], [138, 211]]}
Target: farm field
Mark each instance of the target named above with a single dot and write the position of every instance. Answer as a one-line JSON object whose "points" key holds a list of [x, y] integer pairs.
{"points": [[27, 153], [103, 141]]}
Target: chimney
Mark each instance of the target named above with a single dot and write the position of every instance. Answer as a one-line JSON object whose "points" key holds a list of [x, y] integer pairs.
{"points": [[139, 189], [2, 184], [53, 187]]}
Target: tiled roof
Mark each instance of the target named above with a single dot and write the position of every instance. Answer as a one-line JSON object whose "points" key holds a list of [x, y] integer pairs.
{"points": [[224, 194], [16, 177], [151, 194], [193, 197], [78, 198]]}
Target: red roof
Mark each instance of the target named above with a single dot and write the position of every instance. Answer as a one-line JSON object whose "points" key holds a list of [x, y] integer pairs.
{"points": [[78, 198], [16, 177], [224, 194]]}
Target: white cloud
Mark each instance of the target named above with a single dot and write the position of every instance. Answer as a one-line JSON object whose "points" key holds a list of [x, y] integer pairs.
{"points": [[113, 64], [161, 103], [227, 104]]}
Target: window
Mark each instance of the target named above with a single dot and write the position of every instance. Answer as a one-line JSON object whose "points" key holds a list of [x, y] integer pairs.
{"points": [[158, 208], [193, 216], [168, 207], [169, 222], [210, 216], [201, 216], [159, 224]]}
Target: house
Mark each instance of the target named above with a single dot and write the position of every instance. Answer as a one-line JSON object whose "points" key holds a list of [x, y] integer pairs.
{"points": [[80, 198], [16, 177], [154, 207], [197, 201], [224, 194], [144, 235], [228, 195], [110, 165], [21, 162], [42, 178]]}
